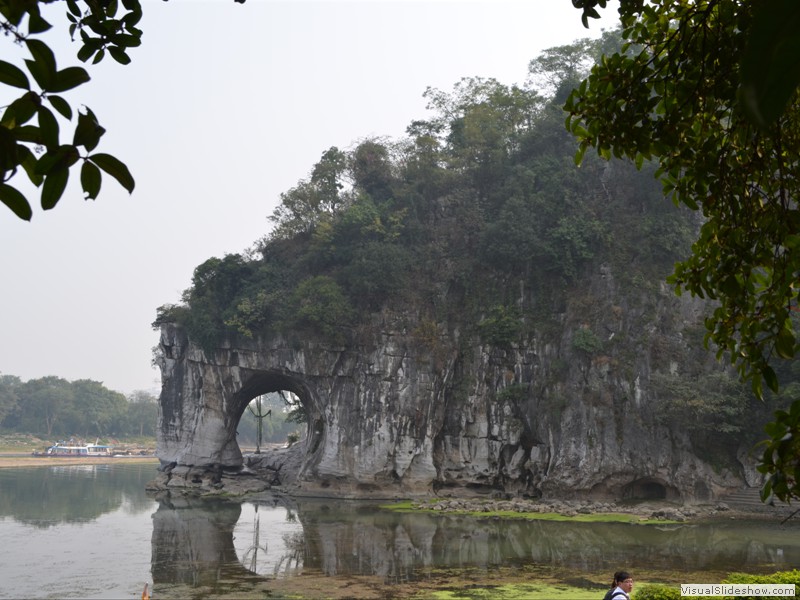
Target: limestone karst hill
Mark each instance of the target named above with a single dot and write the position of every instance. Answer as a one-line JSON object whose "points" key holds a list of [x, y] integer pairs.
{"points": [[465, 311]]}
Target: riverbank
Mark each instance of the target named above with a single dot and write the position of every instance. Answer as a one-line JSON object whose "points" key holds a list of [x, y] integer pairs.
{"points": [[20, 461]]}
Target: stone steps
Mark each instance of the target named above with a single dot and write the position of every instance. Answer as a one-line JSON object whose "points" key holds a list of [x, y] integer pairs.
{"points": [[749, 500]]}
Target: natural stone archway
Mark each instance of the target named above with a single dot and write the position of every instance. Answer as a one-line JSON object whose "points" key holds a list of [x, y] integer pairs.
{"points": [[355, 441], [267, 382], [202, 403]]}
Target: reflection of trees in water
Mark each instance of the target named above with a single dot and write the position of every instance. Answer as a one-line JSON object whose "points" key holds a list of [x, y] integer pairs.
{"points": [[45, 496], [291, 561], [587, 545], [272, 550], [250, 558]]}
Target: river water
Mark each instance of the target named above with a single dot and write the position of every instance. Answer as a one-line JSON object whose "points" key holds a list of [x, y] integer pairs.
{"points": [[90, 531]]}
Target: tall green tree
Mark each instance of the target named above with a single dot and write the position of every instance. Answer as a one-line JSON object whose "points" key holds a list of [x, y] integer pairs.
{"points": [[142, 414], [314, 200], [96, 410], [43, 404], [321, 306], [680, 92], [55, 407], [483, 122], [771, 60], [9, 399], [216, 285]]}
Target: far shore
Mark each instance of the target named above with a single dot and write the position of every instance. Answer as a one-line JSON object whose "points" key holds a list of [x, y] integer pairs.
{"points": [[18, 460]]}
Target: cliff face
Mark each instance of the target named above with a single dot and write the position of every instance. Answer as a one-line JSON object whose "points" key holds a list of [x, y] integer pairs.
{"points": [[401, 413]]}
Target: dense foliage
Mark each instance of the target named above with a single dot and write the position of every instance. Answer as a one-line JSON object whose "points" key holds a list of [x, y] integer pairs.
{"points": [[54, 407], [479, 210], [655, 591], [686, 91]]}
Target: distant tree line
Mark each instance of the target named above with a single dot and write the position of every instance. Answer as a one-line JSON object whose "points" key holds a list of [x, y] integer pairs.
{"points": [[53, 407]]}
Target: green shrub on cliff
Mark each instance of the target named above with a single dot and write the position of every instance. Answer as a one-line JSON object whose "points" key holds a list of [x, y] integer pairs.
{"points": [[320, 306]]}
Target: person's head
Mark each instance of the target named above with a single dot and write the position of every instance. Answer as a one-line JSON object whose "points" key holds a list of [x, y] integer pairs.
{"points": [[623, 580]]}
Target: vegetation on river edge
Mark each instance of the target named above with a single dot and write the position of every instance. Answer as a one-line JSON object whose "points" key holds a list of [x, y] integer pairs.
{"points": [[510, 582], [489, 510], [651, 591], [26, 443]]}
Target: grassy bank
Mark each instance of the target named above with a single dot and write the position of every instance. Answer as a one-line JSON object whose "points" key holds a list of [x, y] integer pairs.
{"points": [[602, 517]]}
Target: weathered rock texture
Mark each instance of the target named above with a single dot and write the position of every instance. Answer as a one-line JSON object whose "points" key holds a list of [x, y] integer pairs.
{"points": [[399, 413]]}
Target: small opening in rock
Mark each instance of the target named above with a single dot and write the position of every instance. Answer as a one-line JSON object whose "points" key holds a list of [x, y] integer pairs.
{"points": [[648, 489]]}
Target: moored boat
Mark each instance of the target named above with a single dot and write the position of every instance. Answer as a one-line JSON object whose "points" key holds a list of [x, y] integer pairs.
{"points": [[63, 449]]}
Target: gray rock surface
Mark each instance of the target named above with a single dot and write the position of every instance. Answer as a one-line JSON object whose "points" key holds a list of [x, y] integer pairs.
{"points": [[394, 415]]}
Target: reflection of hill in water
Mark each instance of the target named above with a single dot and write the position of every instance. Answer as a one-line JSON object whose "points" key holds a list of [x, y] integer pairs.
{"points": [[203, 543], [192, 545], [377, 542], [44, 496]]}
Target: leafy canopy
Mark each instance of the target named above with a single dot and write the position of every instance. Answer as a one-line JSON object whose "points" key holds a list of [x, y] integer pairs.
{"points": [[478, 202], [694, 89], [30, 131], [32, 139]]}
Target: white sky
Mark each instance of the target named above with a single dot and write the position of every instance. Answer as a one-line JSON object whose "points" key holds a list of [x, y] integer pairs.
{"points": [[224, 107]]}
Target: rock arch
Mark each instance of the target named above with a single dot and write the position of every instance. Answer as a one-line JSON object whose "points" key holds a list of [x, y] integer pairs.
{"points": [[363, 433], [266, 382]]}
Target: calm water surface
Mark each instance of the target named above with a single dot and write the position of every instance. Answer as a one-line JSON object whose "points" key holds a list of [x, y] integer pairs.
{"points": [[90, 531]]}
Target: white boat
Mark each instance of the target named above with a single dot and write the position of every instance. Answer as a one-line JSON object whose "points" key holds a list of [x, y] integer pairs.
{"points": [[62, 449]]}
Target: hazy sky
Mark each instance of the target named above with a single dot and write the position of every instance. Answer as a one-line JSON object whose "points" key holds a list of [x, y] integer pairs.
{"points": [[224, 107]]}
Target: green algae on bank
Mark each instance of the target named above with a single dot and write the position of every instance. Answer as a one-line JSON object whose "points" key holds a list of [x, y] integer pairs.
{"points": [[602, 517], [517, 591]]}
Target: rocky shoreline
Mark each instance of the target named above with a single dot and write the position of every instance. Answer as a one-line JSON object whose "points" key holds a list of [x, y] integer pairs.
{"points": [[261, 472], [661, 511], [275, 472]]}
